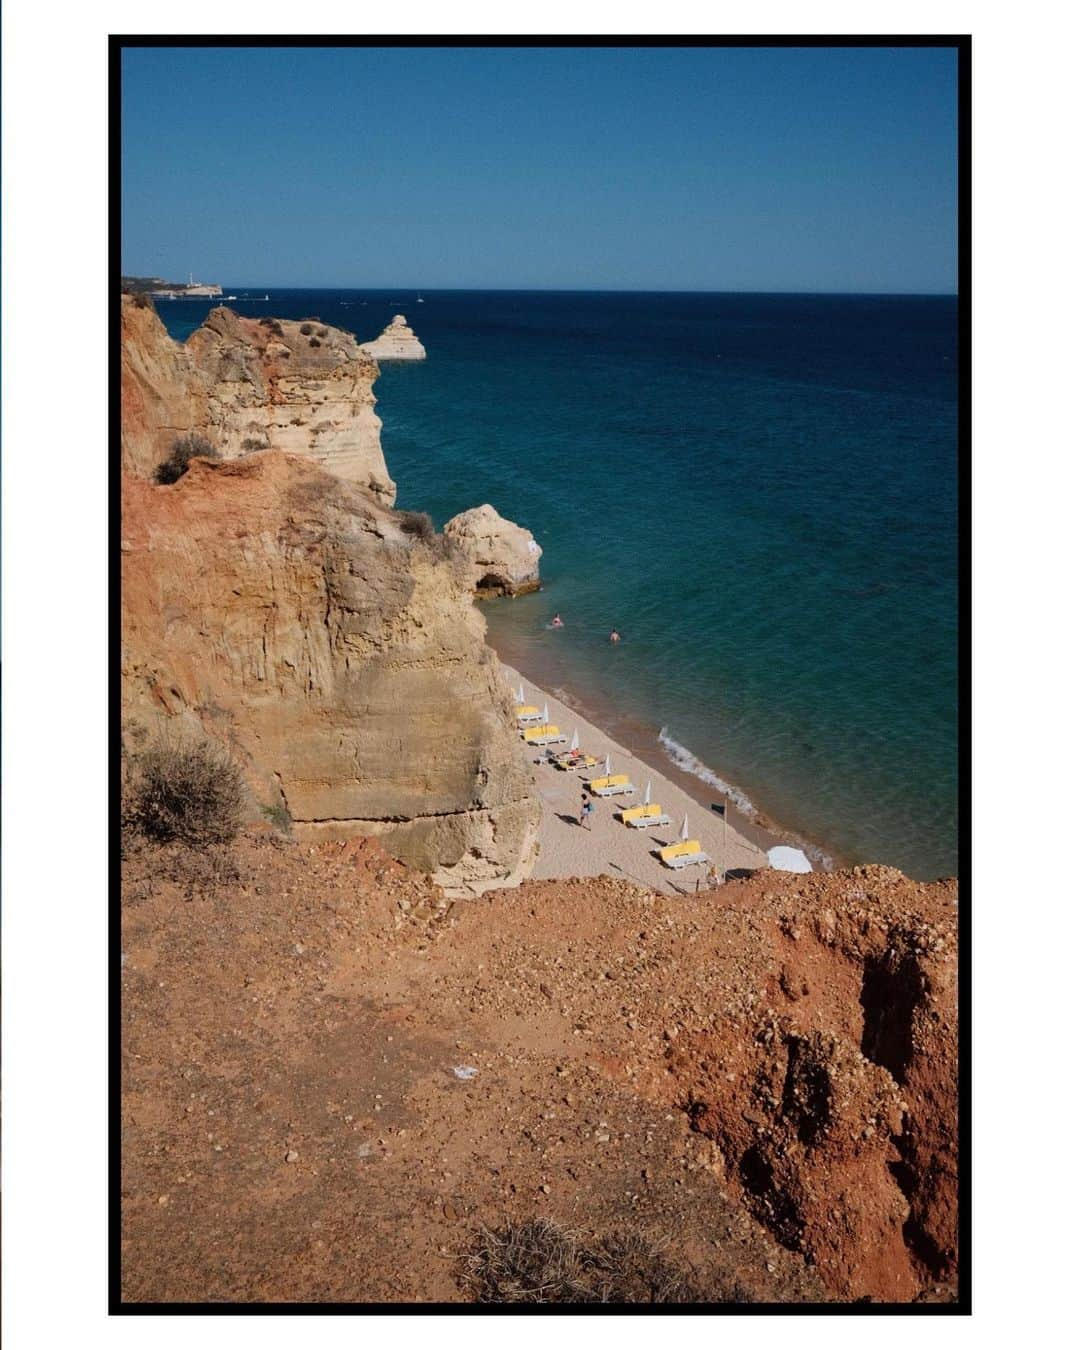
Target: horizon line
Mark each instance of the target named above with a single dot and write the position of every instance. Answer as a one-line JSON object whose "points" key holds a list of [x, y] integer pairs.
{"points": [[571, 290]]}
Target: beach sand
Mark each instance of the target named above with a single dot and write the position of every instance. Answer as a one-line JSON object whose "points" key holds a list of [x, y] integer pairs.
{"points": [[609, 847]]}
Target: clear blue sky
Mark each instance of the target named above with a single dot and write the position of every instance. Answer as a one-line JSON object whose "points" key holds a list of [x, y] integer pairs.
{"points": [[636, 168]]}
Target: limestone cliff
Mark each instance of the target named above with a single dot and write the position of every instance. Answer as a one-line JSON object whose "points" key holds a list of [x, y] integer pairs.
{"points": [[249, 385], [396, 342], [504, 557], [284, 611]]}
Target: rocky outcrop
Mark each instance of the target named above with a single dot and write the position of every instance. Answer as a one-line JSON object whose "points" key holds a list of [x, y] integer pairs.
{"points": [[285, 612], [396, 342], [250, 385], [504, 557]]}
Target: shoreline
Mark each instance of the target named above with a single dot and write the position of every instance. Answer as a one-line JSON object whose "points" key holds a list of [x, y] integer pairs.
{"points": [[735, 842], [638, 742]]}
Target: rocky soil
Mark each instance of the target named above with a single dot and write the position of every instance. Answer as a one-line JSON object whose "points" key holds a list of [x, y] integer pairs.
{"points": [[332, 1076]]}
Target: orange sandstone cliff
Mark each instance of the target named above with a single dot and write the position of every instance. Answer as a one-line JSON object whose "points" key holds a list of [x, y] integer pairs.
{"points": [[248, 385], [285, 611]]}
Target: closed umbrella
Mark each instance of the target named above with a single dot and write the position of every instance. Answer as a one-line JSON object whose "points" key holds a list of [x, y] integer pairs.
{"points": [[684, 833], [521, 693], [786, 859], [547, 715], [574, 740], [648, 792], [607, 765]]}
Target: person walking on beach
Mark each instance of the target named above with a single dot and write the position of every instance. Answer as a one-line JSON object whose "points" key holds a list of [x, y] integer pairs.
{"points": [[712, 877], [586, 811]]}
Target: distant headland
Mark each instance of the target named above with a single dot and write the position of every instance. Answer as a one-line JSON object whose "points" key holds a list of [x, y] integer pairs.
{"points": [[169, 290]]}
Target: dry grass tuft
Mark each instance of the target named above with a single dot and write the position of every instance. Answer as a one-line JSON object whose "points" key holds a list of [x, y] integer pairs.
{"points": [[540, 1261]]}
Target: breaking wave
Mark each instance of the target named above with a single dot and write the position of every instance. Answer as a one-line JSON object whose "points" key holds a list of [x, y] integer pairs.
{"points": [[689, 763]]}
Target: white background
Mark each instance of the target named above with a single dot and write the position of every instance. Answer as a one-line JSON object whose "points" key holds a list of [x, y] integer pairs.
{"points": [[57, 458]]}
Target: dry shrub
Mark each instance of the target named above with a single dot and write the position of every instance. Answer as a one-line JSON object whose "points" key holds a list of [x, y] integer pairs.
{"points": [[250, 443], [307, 329], [531, 1262], [141, 300], [540, 1261], [181, 454], [417, 523], [191, 795]]}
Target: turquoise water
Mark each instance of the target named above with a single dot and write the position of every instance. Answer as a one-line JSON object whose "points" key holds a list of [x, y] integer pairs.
{"points": [[758, 492]]}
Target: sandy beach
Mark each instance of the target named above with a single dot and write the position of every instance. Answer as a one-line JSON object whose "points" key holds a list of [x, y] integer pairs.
{"points": [[608, 846]]}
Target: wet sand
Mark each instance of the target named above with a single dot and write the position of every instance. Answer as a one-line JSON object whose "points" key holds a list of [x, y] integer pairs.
{"points": [[608, 846]]}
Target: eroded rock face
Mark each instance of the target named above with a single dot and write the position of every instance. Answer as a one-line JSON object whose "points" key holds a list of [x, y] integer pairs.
{"points": [[283, 611], [250, 385], [504, 557], [396, 342], [833, 1096]]}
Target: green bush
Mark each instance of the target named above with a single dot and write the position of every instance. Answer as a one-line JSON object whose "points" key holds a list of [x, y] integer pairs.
{"points": [[278, 816], [191, 794], [181, 454], [307, 329]]}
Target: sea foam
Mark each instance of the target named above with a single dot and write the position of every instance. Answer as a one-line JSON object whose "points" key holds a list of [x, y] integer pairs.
{"points": [[689, 763]]}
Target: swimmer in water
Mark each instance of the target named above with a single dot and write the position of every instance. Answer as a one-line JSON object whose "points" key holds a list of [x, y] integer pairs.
{"points": [[557, 621], [614, 636]]}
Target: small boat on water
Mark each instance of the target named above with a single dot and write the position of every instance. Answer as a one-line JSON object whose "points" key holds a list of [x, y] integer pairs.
{"points": [[419, 299]]}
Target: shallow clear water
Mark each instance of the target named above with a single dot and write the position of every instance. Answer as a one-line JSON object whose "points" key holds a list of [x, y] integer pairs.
{"points": [[759, 492]]}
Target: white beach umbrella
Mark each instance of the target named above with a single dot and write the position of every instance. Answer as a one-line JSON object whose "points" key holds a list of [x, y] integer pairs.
{"points": [[547, 715], [574, 740], [648, 792], [521, 693], [786, 859], [607, 765], [684, 833]]}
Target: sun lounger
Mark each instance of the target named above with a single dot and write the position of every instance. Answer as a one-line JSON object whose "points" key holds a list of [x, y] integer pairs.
{"points": [[567, 760], [612, 785], [548, 734], [641, 817], [526, 714], [684, 854]]}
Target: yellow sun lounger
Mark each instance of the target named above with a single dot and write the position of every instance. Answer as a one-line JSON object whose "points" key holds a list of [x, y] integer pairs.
{"points": [[684, 854], [611, 785], [574, 760], [524, 714], [640, 817], [548, 734]]}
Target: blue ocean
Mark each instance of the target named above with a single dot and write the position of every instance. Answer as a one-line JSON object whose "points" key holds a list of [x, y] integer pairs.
{"points": [[758, 491]]}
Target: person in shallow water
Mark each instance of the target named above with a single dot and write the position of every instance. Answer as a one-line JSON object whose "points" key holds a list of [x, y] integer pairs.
{"points": [[614, 636], [557, 621]]}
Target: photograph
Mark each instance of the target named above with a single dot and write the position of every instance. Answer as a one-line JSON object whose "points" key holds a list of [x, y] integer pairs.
{"points": [[540, 665]]}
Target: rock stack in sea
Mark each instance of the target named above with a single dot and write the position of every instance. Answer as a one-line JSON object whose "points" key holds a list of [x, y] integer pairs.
{"points": [[504, 557], [396, 342]]}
